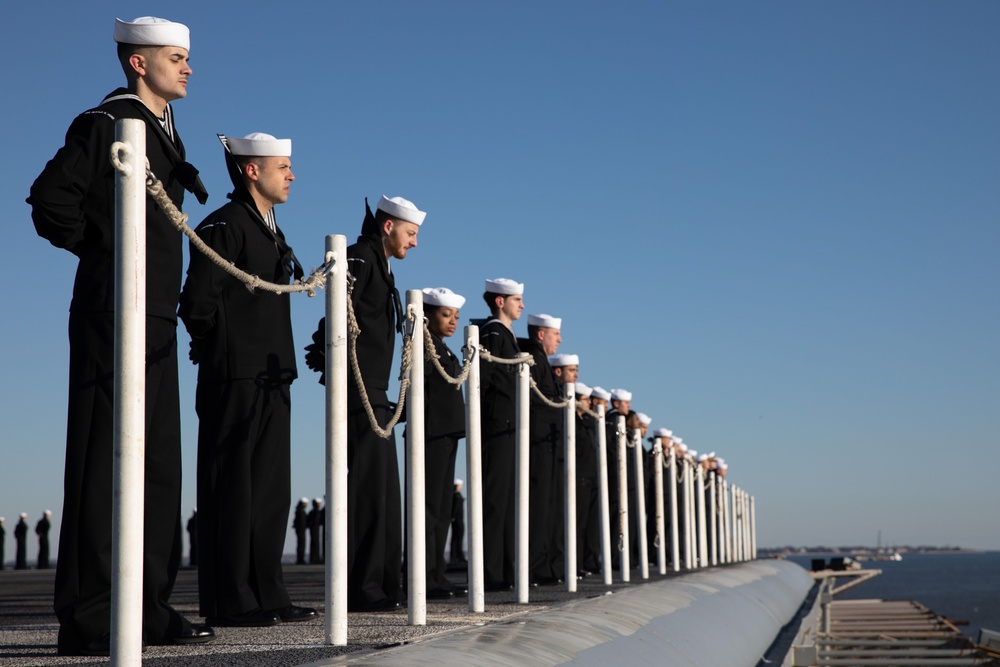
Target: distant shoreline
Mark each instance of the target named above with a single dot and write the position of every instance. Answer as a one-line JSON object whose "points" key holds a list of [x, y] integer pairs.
{"points": [[863, 551]]}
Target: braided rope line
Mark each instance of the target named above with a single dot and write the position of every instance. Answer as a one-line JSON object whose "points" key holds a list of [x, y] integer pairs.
{"points": [[154, 187], [486, 356], [406, 358], [546, 400], [431, 353]]}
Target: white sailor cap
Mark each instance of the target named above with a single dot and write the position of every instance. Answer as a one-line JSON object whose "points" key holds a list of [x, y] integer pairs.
{"points": [[442, 296], [24, 515], [458, 481], [304, 500], [318, 500], [544, 320], [711, 455], [601, 393], [151, 31], [582, 390], [723, 466], [48, 512], [504, 286], [693, 453], [401, 209], [644, 419], [680, 444], [702, 457], [558, 360], [259, 144], [621, 395], [662, 433], [721, 461]]}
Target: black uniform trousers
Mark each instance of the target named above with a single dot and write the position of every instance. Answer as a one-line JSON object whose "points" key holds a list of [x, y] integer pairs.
{"points": [[439, 485], [374, 517], [541, 502], [83, 570], [498, 506], [457, 552], [244, 494]]}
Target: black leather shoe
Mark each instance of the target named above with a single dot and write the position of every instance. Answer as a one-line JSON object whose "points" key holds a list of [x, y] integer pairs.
{"points": [[97, 647], [439, 594], [293, 613], [384, 604], [196, 633], [251, 619], [497, 587]]}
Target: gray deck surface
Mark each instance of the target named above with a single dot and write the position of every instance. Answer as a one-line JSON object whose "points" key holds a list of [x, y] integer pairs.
{"points": [[28, 625]]}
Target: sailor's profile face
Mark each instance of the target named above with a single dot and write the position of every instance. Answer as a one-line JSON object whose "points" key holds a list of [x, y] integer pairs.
{"points": [[550, 339], [399, 237], [272, 177], [512, 306], [165, 71]]}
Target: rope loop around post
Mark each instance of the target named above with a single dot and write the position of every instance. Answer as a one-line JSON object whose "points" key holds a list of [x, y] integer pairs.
{"points": [[120, 153]]}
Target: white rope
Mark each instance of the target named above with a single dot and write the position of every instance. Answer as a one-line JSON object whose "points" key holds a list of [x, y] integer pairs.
{"points": [[431, 353], [486, 356], [354, 331], [552, 404], [317, 279]]}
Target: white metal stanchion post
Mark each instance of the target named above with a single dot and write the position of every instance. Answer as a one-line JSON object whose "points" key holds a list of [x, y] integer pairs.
{"points": [[640, 504], [474, 473], [569, 484], [521, 482], [602, 490], [416, 534], [727, 537], [623, 536], [335, 371], [129, 396], [675, 554], [753, 530], [689, 516], [699, 490], [661, 538], [713, 517]]}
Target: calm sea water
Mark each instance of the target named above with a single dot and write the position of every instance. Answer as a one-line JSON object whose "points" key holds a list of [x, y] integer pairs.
{"points": [[961, 587]]}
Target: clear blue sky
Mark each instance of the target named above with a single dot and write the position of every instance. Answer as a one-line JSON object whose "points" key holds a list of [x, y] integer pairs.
{"points": [[776, 223]]}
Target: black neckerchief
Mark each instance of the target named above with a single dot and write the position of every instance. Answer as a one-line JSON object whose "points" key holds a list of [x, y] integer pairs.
{"points": [[285, 254], [185, 172]]}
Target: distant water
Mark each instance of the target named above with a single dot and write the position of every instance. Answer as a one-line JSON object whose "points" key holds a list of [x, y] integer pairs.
{"points": [[960, 587]]}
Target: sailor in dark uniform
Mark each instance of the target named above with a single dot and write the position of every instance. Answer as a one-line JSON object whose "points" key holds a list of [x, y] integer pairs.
{"points": [[545, 437], [621, 401], [21, 540], [3, 542], [599, 397], [300, 524], [73, 207], [374, 521], [242, 343], [444, 425], [42, 531], [566, 368], [498, 384], [315, 522]]}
